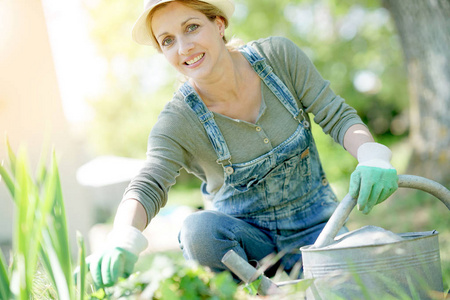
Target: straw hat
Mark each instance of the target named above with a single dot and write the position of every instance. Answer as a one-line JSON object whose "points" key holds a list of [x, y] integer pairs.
{"points": [[142, 34]]}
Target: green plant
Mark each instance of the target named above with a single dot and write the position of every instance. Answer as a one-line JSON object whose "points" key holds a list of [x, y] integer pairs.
{"points": [[82, 267], [40, 238], [4, 279], [41, 265], [171, 277]]}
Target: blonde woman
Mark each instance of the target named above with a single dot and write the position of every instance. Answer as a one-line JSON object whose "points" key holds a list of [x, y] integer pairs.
{"points": [[240, 123]]}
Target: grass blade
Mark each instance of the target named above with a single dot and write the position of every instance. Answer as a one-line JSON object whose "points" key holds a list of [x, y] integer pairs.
{"points": [[46, 208], [23, 239], [61, 222], [5, 292], [56, 242], [45, 261], [62, 285], [359, 282], [12, 156], [81, 275], [7, 180], [412, 289], [41, 170]]}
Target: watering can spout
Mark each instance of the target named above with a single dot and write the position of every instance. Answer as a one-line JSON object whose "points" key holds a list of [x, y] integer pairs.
{"points": [[335, 222]]}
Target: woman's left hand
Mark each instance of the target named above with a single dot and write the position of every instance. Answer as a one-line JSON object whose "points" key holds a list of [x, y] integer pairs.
{"points": [[374, 179]]}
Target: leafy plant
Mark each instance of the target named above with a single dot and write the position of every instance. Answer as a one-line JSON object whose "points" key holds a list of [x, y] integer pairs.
{"points": [[4, 279], [171, 277], [40, 238], [82, 267], [41, 260]]}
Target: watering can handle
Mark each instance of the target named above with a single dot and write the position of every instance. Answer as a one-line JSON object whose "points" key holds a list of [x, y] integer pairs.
{"points": [[347, 204]]}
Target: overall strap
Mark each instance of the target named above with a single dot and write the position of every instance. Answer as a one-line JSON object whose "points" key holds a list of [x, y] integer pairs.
{"points": [[206, 117], [265, 72]]}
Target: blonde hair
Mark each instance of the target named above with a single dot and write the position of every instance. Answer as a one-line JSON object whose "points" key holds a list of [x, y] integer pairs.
{"points": [[209, 10]]}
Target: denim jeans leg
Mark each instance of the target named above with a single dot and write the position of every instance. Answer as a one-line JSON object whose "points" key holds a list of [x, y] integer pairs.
{"points": [[207, 235]]}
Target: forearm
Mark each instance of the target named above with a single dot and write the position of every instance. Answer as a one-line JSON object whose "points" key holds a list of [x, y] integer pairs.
{"points": [[355, 136], [131, 212]]}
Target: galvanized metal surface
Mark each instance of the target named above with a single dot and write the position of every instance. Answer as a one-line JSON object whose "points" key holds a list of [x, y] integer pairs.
{"points": [[365, 236], [410, 267]]}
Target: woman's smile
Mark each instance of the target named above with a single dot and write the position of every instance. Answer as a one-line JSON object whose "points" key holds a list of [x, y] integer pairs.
{"points": [[196, 60]]}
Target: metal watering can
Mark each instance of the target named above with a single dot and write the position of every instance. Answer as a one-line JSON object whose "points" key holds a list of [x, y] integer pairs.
{"points": [[404, 265], [407, 266]]}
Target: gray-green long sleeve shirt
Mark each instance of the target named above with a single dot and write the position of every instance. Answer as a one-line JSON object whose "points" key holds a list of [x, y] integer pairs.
{"points": [[178, 139]]}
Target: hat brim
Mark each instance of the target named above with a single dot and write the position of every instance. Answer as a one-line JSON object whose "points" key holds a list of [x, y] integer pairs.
{"points": [[142, 34]]}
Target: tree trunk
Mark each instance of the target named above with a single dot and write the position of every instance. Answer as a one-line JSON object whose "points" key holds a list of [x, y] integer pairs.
{"points": [[424, 30]]}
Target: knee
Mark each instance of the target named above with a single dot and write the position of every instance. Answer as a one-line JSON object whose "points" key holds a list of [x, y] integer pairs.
{"points": [[198, 227], [205, 237]]}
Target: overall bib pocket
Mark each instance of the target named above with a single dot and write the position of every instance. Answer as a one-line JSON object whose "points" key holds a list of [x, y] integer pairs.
{"points": [[281, 183]]}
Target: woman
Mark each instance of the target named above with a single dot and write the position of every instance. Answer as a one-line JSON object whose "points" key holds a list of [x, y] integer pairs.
{"points": [[240, 123]]}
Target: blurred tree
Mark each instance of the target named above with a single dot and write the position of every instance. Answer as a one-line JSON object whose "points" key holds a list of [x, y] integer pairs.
{"points": [[424, 29]]}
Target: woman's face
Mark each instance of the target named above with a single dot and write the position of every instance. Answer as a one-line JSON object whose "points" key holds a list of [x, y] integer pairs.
{"points": [[190, 41]]}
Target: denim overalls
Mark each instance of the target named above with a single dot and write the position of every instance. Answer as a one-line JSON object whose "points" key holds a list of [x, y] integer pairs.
{"points": [[284, 191]]}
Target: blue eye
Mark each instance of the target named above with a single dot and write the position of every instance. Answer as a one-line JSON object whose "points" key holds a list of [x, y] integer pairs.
{"points": [[167, 42], [192, 27]]}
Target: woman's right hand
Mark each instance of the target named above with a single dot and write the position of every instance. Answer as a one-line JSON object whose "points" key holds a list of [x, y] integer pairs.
{"points": [[117, 260], [109, 266]]}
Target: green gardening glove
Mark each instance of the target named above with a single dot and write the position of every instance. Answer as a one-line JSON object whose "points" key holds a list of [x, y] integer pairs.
{"points": [[117, 260], [374, 179]]}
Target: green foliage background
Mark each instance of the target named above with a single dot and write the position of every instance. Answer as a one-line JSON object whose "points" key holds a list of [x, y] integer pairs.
{"points": [[344, 39]]}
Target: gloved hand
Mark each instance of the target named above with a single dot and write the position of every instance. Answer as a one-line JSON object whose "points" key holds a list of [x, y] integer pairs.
{"points": [[123, 246], [374, 179]]}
